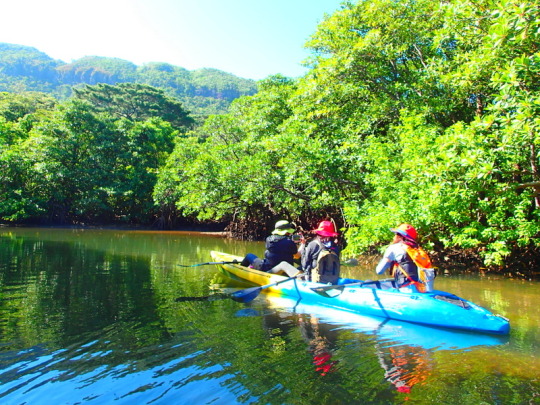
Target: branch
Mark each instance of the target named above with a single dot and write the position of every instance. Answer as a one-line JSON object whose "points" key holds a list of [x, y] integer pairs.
{"points": [[296, 195]]}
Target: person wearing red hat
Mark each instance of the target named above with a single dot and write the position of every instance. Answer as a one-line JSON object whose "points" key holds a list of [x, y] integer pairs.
{"points": [[397, 258], [324, 241]]}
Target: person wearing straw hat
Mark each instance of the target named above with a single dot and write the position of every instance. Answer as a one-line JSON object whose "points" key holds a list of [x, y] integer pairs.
{"points": [[279, 248]]}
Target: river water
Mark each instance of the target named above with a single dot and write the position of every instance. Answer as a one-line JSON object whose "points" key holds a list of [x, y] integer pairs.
{"points": [[90, 316]]}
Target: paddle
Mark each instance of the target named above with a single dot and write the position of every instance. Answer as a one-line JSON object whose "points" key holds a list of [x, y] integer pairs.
{"points": [[213, 297], [204, 264], [322, 290], [246, 295]]}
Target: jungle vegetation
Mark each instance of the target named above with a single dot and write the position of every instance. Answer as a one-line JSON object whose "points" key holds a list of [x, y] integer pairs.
{"points": [[424, 112]]}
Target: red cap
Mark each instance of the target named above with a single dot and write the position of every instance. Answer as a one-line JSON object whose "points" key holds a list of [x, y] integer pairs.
{"points": [[406, 230]]}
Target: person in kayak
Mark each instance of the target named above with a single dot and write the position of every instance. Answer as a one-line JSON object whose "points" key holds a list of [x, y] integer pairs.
{"points": [[280, 252], [320, 257], [408, 262]]}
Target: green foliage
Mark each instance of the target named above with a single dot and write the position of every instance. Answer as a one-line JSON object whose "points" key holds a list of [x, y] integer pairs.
{"points": [[87, 159], [423, 112], [243, 162], [16, 204], [18, 63], [95, 69], [460, 183]]}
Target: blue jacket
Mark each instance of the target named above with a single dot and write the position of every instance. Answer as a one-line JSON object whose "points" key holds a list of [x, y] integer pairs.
{"points": [[278, 249]]}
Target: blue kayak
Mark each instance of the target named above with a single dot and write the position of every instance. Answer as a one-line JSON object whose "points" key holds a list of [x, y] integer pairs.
{"points": [[389, 332], [377, 298]]}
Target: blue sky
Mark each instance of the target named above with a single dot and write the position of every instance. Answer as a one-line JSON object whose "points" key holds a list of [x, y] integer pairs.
{"points": [[249, 38]]}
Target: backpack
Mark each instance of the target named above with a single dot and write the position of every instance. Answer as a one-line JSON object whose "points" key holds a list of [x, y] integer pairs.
{"points": [[327, 269], [426, 273]]}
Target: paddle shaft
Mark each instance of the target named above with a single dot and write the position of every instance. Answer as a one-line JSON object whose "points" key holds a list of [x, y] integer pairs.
{"points": [[245, 295], [249, 294], [208, 263], [322, 290]]}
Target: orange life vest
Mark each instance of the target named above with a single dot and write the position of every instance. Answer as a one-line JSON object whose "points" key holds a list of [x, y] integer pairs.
{"points": [[422, 261], [419, 256]]}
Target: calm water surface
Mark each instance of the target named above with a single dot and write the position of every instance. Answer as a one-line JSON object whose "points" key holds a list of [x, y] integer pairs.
{"points": [[89, 316]]}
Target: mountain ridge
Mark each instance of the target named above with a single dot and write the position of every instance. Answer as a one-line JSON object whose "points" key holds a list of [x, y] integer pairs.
{"points": [[203, 91]]}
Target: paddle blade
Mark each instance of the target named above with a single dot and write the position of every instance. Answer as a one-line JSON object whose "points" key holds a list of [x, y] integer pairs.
{"points": [[247, 295]]}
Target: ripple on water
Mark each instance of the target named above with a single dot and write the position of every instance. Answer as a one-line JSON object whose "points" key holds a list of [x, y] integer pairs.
{"points": [[87, 373]]}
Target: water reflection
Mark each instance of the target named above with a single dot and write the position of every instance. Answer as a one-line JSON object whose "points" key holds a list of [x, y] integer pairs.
{"points": [[321, 340], [90, 316], [405, 366], [404, 351]]}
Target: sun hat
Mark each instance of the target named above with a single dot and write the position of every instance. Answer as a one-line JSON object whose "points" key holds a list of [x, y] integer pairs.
{"points": [[282, 228], [326, 228]]}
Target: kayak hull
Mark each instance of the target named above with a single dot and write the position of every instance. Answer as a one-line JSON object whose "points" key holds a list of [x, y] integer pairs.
{"points": [[436, 308]]}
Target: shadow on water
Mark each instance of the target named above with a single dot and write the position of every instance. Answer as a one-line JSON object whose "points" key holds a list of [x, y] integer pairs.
{"points": [[91, 317]]}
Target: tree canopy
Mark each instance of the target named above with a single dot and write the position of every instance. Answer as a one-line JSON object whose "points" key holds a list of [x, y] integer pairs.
{"points": [[92, 159], [135, 102]]}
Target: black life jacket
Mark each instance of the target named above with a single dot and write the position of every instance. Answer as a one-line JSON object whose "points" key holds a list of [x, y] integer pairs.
{"points": [[405, 270]]}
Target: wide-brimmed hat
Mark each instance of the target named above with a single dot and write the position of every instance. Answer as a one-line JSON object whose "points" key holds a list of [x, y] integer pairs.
{"points": [[326, 228], [406, 230], [283, 228]]}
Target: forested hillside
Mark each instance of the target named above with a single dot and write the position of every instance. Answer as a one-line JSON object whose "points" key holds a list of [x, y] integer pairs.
{"points": [[203, 92], [424, 112]]}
